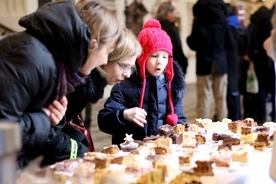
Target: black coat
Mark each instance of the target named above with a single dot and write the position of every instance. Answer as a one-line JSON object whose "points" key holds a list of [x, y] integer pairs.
{"points": [[127, 95], [210, 36], [91, 91], [178, 54], [233, 61], [28, 75], [258, 31]]}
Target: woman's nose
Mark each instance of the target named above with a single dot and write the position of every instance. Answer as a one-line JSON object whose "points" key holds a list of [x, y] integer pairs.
{"points": [[127, 74]]}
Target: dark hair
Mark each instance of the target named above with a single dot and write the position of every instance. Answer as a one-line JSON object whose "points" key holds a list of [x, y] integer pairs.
{"points": [[231, 9], [163, 10]]}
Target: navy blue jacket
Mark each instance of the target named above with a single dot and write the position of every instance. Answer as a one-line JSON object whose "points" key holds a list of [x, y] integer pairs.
{"points": [[127, 95]]}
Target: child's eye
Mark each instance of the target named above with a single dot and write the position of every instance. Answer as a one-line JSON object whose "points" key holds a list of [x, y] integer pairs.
{"points": [[153, 56]]}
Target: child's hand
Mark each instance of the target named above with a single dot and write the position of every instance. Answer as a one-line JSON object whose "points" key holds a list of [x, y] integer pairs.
{"points": [[56, 110], [136, 115]]}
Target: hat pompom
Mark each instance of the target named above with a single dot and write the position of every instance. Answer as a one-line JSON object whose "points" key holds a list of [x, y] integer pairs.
{"points": [[152, 23], [171, 119]]}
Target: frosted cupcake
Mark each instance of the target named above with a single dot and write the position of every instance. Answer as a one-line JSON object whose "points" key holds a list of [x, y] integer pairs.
{"points": [[129, 144]]}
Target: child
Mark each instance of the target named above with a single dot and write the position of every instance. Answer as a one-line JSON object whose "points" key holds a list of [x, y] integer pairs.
{"points": [[151, 97]]}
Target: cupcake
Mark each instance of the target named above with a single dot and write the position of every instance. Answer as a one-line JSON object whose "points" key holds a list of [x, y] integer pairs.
{"points": [[129, 144]]}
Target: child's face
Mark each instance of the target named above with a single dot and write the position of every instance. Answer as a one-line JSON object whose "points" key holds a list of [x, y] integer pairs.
{"points": [[157, 62]]}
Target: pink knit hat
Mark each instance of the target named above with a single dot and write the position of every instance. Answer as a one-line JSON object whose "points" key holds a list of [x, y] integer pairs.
{"points": [[152, 38]]}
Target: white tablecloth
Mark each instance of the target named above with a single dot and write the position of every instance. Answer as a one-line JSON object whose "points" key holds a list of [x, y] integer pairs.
{"points": [[256, 171]]}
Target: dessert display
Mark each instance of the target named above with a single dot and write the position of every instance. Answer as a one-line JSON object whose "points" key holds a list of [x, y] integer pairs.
{"points": [[175, 155]]}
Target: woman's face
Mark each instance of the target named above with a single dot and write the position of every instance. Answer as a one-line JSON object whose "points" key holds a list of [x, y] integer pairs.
{"points": [[118, 71], [172, 16], [97, 56], [157, 62]]}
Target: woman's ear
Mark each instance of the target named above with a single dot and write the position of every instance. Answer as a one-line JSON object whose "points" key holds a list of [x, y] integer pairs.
{"points": [[93, 44]]}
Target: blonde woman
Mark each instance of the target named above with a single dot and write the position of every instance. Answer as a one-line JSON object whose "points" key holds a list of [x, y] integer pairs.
{"points": [[121, 64], [62, 43]]}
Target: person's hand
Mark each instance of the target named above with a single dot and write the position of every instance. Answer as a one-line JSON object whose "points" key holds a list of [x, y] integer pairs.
{"points": [[246, 58], [56, 110], [269, 45], [136, 115]]}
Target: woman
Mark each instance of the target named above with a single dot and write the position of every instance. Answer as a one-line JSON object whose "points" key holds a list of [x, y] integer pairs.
{"points": [[41, 65], [167, 15], [121, 63]]}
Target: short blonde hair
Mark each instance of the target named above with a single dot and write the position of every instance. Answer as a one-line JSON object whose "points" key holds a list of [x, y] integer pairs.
{"points": [[128, 47], [102, 22]]}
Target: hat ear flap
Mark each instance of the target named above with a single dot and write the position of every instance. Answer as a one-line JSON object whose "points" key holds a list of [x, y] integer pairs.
{"points": [[169, 72]]}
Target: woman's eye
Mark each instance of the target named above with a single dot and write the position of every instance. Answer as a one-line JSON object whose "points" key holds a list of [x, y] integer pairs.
{"points": [[125, 66]]}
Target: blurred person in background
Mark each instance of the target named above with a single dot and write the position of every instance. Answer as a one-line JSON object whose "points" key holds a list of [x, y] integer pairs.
{"points": [[270, 47], [210, 38], [233, 93], [258, 31], [167, 16]]}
